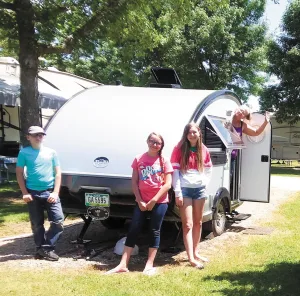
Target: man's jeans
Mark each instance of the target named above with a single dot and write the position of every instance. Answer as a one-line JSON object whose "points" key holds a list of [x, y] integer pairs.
{"points": [[55, 216]]}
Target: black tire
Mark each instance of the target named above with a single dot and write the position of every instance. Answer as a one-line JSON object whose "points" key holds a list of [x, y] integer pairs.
{"points": [[219, 221], [113, 223]]}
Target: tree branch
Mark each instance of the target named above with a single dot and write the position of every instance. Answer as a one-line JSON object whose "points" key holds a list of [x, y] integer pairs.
{"points": [[108, 13], [48, 49], [6, 5], [70, 41], [45, 14]]}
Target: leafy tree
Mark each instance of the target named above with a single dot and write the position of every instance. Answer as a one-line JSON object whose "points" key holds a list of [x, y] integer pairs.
{"points": [[224, 47], [217, 46], [284, 59], [212, 44], [43, 27]]}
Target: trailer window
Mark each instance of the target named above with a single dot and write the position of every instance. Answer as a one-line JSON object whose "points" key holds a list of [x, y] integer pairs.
{"points": [[213, 142], [225, 132], [209, 136]]}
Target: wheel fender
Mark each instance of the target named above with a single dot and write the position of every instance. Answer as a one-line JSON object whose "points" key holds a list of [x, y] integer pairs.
{"points": [[222, 193]]}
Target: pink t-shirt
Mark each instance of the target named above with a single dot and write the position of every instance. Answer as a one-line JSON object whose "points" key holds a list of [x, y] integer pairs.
{"points": [[150, 175]]}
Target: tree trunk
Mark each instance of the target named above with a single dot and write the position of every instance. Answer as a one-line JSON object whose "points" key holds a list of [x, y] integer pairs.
{"points": [[28, 57]]}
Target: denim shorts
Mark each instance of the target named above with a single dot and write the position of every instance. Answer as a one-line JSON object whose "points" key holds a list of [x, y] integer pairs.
{"points": [[194, 193]]}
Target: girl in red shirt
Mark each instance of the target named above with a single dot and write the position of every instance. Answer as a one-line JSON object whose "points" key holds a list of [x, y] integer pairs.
{"points": [[151, 181], [192, 171]]}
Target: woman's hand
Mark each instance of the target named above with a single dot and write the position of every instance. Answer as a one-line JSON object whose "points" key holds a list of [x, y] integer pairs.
{"points": [[150, 205], [142, 206], [179, 201], [267, 116]]}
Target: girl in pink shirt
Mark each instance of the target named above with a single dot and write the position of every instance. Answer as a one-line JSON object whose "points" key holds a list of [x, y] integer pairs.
{"points": [[192, 171], [151, 181]]}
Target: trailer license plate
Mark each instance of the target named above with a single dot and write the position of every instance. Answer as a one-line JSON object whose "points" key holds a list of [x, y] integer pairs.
{"points": [[96, 199]]}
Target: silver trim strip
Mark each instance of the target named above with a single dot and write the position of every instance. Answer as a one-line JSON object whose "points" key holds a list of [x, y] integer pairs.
{"points": [[96, 188], [95, 174]]}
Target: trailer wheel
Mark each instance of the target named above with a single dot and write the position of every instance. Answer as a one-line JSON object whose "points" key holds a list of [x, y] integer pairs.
{"points": [[113, 223], [219, 221]]}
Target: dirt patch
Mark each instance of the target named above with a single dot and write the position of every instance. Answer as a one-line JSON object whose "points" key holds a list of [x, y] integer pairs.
{"points": [[258, 230], [17, 252]]}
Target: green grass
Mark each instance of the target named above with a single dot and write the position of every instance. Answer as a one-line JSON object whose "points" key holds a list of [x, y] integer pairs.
{"points": [[285, 170], [12, 208], [13, 211], [14, 215], [9, 188], [255, 266], [280, 164]]}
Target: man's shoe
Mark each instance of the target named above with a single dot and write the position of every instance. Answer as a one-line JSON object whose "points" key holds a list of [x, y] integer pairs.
{"points": [[47, 255]]}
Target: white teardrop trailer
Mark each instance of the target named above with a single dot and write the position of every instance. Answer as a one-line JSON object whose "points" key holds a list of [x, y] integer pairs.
{"points": [[99, 131]]}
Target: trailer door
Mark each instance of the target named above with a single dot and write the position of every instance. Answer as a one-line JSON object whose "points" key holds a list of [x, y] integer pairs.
{"points": [[256, 163]]}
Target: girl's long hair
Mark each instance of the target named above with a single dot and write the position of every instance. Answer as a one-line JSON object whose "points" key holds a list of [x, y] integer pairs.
{"points": [[160, 150], [185, 146]]}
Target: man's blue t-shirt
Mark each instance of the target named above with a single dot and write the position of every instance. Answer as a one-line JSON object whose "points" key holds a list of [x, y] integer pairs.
{"points": [[40, 165]]}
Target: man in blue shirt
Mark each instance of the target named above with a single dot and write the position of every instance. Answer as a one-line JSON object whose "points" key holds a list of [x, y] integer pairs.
{"points": [[40, 191]]}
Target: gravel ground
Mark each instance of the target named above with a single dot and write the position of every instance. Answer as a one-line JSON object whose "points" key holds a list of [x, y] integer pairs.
{"points": [[17, 252]]}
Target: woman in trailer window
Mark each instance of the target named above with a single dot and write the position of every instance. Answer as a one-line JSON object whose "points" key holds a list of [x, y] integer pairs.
{"points": [[240, 124], [192, 172], [151, 181]]}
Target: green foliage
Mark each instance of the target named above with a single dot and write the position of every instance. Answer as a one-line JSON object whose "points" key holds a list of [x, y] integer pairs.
{"points": [[75, 29], [211, 45], [284, 58], [224, 47], [8, 34]]}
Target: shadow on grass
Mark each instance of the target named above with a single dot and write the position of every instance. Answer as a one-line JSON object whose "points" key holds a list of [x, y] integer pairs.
{"points": [[280, 279], [288, 171], [10, 190], [23, 248]]}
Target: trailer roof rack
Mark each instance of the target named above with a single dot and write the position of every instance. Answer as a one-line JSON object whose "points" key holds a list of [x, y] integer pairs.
{"points": [[165, 78]]}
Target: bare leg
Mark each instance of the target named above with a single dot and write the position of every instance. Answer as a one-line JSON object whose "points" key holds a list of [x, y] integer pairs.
{"points": [[151, 256], [198, 208], [186, 213], [123, 265]]}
